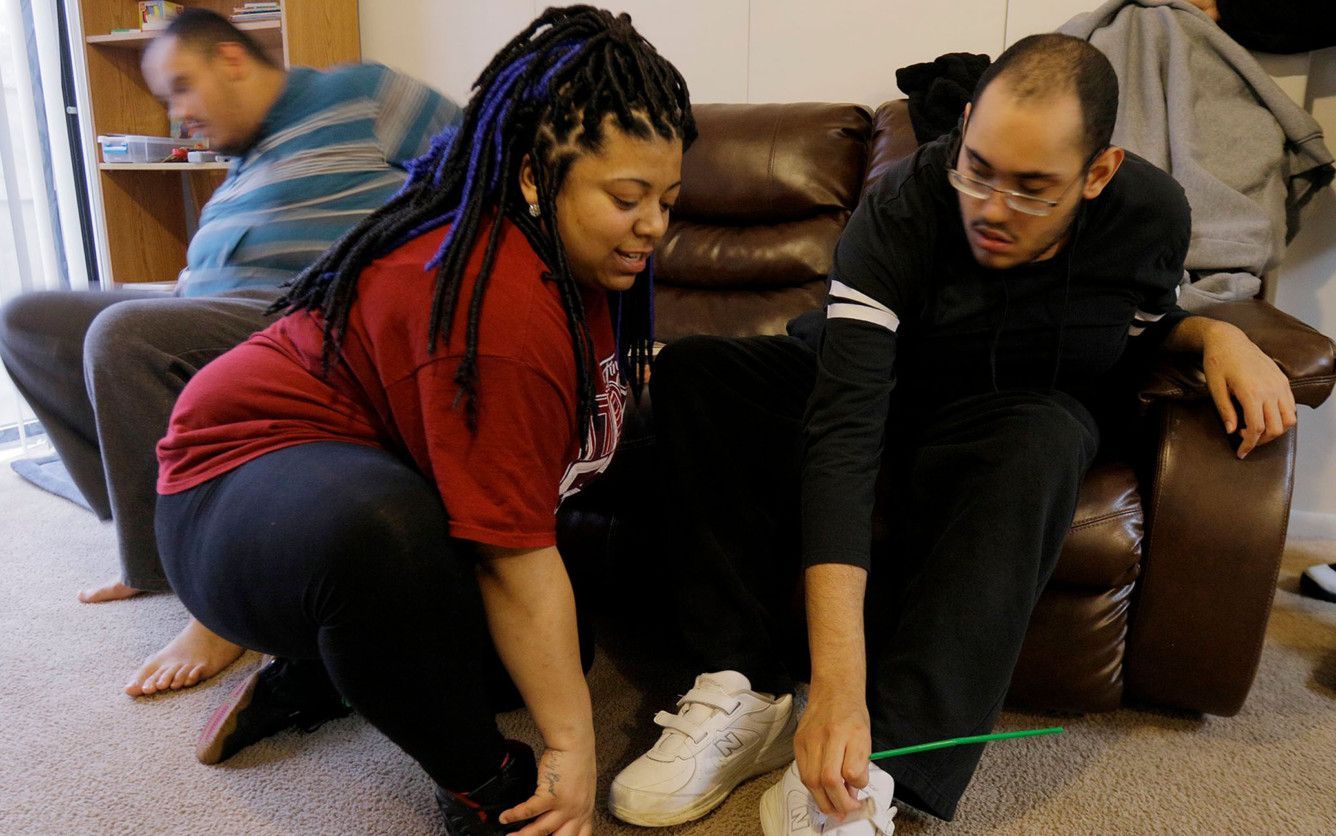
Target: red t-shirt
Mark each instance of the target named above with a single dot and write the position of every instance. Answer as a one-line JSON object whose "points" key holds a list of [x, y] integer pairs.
{"points": [[500, 486]]}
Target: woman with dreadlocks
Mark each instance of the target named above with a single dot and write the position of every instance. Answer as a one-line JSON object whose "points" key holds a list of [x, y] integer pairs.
{"points": [[366, 489]]}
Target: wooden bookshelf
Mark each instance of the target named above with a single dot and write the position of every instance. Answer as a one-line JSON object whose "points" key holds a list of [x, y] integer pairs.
{"points": [[146, 206], [265, 32], [179, 168]]}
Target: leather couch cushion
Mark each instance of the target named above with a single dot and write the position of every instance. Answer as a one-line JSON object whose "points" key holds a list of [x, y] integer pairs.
{"points": [[763, 164], [1072, 659], [766, 190], [1103, 549], [711, 257], [892, 139], [682, 311]]}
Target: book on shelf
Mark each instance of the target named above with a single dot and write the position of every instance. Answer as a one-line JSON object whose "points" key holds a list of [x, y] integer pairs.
{"points": [[256, 11], [157, 14]]}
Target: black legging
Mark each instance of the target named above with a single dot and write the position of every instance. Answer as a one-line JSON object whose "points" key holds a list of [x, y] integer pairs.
{"points": [[341, 553]]}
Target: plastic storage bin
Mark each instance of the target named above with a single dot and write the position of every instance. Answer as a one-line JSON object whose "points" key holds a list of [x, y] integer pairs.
{"points": [[133, 148]]}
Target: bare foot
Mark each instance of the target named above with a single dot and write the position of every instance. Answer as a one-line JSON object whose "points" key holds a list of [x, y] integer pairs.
{"points": [[114, 591], [196, 654]]}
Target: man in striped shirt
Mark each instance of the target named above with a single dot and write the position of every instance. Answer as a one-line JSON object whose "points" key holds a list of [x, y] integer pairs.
{"points": [[317, 152]]}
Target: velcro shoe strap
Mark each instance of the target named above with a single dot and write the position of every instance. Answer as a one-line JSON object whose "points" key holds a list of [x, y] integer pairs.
{"points": [[681, 724], [712, 698]]}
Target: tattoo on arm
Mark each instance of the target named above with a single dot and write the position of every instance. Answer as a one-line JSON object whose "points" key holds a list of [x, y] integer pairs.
{"points": [[550, 774]]}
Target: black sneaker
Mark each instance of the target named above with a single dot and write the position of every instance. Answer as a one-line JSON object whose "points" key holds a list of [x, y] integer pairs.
{"points": [[474, 813], [1319, 582], [280, 694]]}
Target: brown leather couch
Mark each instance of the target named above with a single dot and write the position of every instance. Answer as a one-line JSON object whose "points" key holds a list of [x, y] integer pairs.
{"points": [[1164, 586]]}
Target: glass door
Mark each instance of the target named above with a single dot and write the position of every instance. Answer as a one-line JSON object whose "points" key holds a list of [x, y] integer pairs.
{"points": [[41, 242]]}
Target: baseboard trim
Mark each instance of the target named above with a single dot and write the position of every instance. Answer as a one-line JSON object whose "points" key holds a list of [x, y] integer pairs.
{"points": [[1310, 525]]}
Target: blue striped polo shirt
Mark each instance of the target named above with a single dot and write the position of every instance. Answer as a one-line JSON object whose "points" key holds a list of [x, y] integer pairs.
{"points": [[332, 149]]}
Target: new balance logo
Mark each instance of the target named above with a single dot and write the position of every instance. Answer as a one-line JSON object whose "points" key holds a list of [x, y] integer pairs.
{"points": [[729, 744], [800, 819], [801, 808]]}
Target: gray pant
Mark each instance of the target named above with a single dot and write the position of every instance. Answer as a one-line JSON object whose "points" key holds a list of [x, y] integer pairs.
{"points": [[101, 371]]}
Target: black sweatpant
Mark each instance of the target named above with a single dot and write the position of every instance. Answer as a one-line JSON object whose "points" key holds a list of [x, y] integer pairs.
{"points": [[341, 553], [978, 496]]}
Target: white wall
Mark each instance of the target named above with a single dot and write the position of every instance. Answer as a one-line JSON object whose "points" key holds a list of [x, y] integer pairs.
{"points": [[728, 50], [1306, 288], [848, 50]]}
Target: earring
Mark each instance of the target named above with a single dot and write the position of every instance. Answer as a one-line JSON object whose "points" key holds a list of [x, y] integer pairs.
{"points": [[534, 211]]}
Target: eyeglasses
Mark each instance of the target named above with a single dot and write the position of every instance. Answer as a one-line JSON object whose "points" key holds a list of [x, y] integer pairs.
{"points": [[1026, 204]]}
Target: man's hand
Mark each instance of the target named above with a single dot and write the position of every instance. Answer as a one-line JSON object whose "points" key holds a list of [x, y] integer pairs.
{"points": [[1237, 370], [832, 746], [834, 735]]}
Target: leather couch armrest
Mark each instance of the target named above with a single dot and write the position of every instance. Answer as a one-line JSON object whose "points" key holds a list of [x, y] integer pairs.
{"points": [[1215, 531], [1306, 356]]}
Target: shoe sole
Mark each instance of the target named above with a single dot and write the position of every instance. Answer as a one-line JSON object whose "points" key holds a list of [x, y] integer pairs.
{"points": [[772, 810], [706, 802], [223, 722]]}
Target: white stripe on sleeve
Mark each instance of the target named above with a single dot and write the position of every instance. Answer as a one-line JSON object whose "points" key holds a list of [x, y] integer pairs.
{"points": [[881, 317], [842, 291]]}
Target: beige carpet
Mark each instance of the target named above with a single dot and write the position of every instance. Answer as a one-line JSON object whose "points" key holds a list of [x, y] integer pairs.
{"points": [[79, 757]]}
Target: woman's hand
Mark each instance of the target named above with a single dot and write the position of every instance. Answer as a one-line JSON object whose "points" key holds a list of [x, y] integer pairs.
{"points": [[563, 803], [531, 614]]}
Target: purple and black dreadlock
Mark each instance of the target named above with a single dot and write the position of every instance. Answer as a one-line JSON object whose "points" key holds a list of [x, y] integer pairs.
{"points": [[549, 89]]}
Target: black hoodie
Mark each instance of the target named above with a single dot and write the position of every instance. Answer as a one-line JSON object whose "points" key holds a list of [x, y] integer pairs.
{"points": [[911, 310]]}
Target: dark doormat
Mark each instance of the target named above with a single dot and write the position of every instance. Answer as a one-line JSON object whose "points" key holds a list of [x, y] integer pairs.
{"points": [[48, 473]]}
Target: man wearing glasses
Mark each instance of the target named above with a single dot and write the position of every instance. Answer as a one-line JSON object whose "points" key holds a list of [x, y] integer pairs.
{"points": [[983, 296]]}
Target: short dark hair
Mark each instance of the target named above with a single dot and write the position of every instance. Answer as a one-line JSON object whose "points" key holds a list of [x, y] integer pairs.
{"points": [[203, 30], [1039, 66]]}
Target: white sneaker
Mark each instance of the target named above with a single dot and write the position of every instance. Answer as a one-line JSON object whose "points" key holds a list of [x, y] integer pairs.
{"points": [[724, 734], [788, 808]]}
